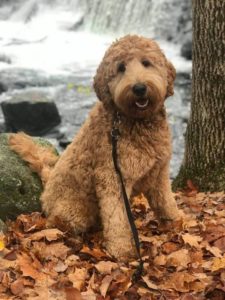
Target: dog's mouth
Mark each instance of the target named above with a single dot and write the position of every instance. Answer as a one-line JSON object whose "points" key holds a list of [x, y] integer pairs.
{"points": [[142, 104]]}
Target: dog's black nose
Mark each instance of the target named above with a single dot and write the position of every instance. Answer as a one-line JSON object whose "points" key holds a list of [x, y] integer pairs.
{"points": [[139, 89]]}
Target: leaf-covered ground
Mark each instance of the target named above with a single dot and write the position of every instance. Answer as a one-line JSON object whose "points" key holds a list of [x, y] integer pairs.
{"points": [[184, 261]]}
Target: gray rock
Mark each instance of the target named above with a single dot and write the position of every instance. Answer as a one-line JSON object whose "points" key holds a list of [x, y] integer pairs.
{"points": [[20, 188], [3, 88], [32, 112], [20, 78], [186, 49], [6, 59]]}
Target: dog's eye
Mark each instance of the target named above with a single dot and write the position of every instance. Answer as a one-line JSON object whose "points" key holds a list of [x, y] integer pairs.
{"points": [[146, 63], [121, 68]]}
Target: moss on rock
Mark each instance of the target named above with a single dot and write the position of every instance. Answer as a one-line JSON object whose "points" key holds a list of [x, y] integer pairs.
{"points": [[20, 188]]}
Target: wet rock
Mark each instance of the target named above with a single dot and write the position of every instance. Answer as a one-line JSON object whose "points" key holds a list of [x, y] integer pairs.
{"points": [[2, 127], [20, 188], [6, 59], [20, 78], [32, 112], [186, 49], [3, 88]]}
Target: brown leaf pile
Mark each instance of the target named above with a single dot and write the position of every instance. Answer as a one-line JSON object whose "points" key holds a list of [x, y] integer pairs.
{"points": [[183, 261]]}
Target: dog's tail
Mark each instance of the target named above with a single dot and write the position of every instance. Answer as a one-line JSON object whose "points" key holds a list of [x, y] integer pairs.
{"points": [[41, 159]]}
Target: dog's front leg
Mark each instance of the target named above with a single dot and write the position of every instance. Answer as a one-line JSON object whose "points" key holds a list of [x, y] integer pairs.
{"points": [[160, 196], [116, 228]]}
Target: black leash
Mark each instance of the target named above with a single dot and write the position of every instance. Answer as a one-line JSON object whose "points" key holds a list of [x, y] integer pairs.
{"points": [[115, 133]]}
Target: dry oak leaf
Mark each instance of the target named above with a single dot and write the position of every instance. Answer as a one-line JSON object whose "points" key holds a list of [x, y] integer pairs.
{"points": [[192, 240], [169, 247], [218, 263], [88, 295], [48, 251], [180, 258], [214, 250], [60, 267], [5, 264], [106, 267], [17, 287], [78, 278], [50, 235], [105, 284], [33, 221], [72, 294], [149, 283], [72, 260], [155, 240], [220, 243], [30, 267], [95, 252], [160, 260], [181, 282]]}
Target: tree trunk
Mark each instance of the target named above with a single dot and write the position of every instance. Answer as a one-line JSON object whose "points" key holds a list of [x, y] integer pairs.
{"points": [[204, 158]]}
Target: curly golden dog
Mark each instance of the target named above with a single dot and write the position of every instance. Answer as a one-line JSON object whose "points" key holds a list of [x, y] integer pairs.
{"points": [[132, 81]]}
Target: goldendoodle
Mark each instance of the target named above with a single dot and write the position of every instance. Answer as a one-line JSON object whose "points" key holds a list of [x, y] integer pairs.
{"points": [[132, 83]]}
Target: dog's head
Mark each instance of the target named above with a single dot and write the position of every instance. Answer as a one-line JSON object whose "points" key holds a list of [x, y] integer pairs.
{"points": [[135, 76]]}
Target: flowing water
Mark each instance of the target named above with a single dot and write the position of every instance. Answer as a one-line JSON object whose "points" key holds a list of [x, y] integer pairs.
{"points": [[55, 46]]}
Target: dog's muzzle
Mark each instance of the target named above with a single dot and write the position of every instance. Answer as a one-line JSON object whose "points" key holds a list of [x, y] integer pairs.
{"points": [[142, 103], [139, 89]]}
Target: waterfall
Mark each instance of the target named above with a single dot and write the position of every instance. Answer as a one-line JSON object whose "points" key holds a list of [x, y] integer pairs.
{"points": [[155, 18]]}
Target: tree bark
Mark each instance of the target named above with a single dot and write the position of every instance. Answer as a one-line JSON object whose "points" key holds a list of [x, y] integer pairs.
{"points": [[204, 158]]}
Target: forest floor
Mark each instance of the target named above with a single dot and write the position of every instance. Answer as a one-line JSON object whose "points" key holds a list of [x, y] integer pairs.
{"points": [[183, 261]]}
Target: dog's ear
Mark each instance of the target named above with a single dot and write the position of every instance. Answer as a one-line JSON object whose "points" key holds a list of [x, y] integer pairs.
{"points": [[100, 84], [171, 75]]}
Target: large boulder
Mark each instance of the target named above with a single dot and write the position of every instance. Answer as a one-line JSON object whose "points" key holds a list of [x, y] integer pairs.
{"points": [[20, 188], [31, 111]]}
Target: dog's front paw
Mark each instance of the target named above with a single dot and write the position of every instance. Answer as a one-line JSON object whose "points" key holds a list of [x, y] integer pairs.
{"points": [[123, 250]]}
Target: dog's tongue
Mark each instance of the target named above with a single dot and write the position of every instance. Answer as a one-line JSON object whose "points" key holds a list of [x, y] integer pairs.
{"points": [[142, 103]]}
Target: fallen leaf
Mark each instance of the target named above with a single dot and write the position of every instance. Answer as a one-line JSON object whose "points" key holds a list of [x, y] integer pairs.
{"points": [[60, 267], [17, 287], [31, 222], [220, 243], [214, 250], [28, 267], [72, 294], [179, 281], [89, 295], [149, 283], [192, 240], [78, 278], [218, 263], [48, 251], [105, 284], [51, 234], [179, 259], [95, 252], [160, 260], [169, 247], [106, 267]]}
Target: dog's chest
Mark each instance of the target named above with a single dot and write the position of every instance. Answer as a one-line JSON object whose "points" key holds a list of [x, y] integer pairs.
{"points": [[139, 154]]}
